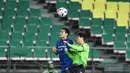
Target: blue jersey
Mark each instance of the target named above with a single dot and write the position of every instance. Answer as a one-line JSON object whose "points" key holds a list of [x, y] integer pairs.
{"points": [[64, 59]]}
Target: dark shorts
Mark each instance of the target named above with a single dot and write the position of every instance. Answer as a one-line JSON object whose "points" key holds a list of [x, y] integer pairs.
{"points": [[76, 69]]}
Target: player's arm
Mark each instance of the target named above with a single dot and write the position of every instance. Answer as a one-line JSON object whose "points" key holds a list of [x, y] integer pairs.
{"points": [[74, 47], [69, 54]]}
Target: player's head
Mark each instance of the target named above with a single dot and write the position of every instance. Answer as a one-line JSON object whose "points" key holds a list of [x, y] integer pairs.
{"points": [[64, 33], [50, 67], [80, 37]]}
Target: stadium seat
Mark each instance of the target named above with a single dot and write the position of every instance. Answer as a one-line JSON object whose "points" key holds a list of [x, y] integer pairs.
{"points": [[109, 23], [112, 6], [56, 28], [120, 37], [122, 19], [45, 20], [39, 52], [29, 36], [107, 39], [15, 43], [60, 4], [98, 14], [3, 43], [32, 21], [20, 52], [43, 36], [99, 6], [119, 47], [122, 5], [96, 31], [95, 55], [32, 28], [72, 36], [34, 12], [9, 12], [128, 38], [87, 4], [28, 43], [121, 30], [22, 12], [18, 28], [127, 55], [16, 36], [128, 45], [40, 43], [85, 23], [85, 14], [24, 4], [97, 22], [42, 28], [2, 53], [12, 4], [73, 10], [4, 36], [110, 14], [19, 20]]}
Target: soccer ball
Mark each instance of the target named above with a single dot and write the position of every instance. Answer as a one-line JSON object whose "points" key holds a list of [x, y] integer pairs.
{"points": [[62, 12]]}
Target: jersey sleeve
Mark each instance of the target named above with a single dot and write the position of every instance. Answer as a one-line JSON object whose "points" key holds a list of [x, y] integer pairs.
{"points": [[76, 47]]}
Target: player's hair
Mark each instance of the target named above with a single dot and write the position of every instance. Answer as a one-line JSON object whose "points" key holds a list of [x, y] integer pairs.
{"points": [[66, 31], [81, 34]]}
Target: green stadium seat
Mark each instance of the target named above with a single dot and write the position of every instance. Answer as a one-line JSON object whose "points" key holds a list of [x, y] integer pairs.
{"points": [[84, 23], [4, 36], [2, 52], [18, 28], [39, 53], [15, 43], [3, 43], [96, 31], [12, 4], [32, 28], [19, 20], [29, 36], [128, 45], [42, 28], [24, 4], [74, 6], [128, 38], [74, 15], [43, 36], [16, 36], [120, 37], [97, 22], [94, 53], [119, 47], [22, 12], [28, 43], [73, 10], [109, 22], [40, 43], [33, 21], [121, 30], [107, 39], [9, 12], [20, 52], [54, 38], [85, 13], [127, 54], [108, 31], [56, 28], [60, 4], [35, 12], [96, 27], [45, 20]]}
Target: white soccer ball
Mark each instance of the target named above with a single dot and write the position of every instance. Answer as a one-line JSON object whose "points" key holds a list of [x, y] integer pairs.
{"points": [[62, 12]]}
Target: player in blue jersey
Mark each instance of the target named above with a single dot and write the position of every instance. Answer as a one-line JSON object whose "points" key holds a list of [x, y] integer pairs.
{"points": [[59, 49]]}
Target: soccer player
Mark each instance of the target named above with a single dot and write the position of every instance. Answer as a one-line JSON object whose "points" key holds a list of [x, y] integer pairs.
{"points": [[80, 54], [60, 49]]}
